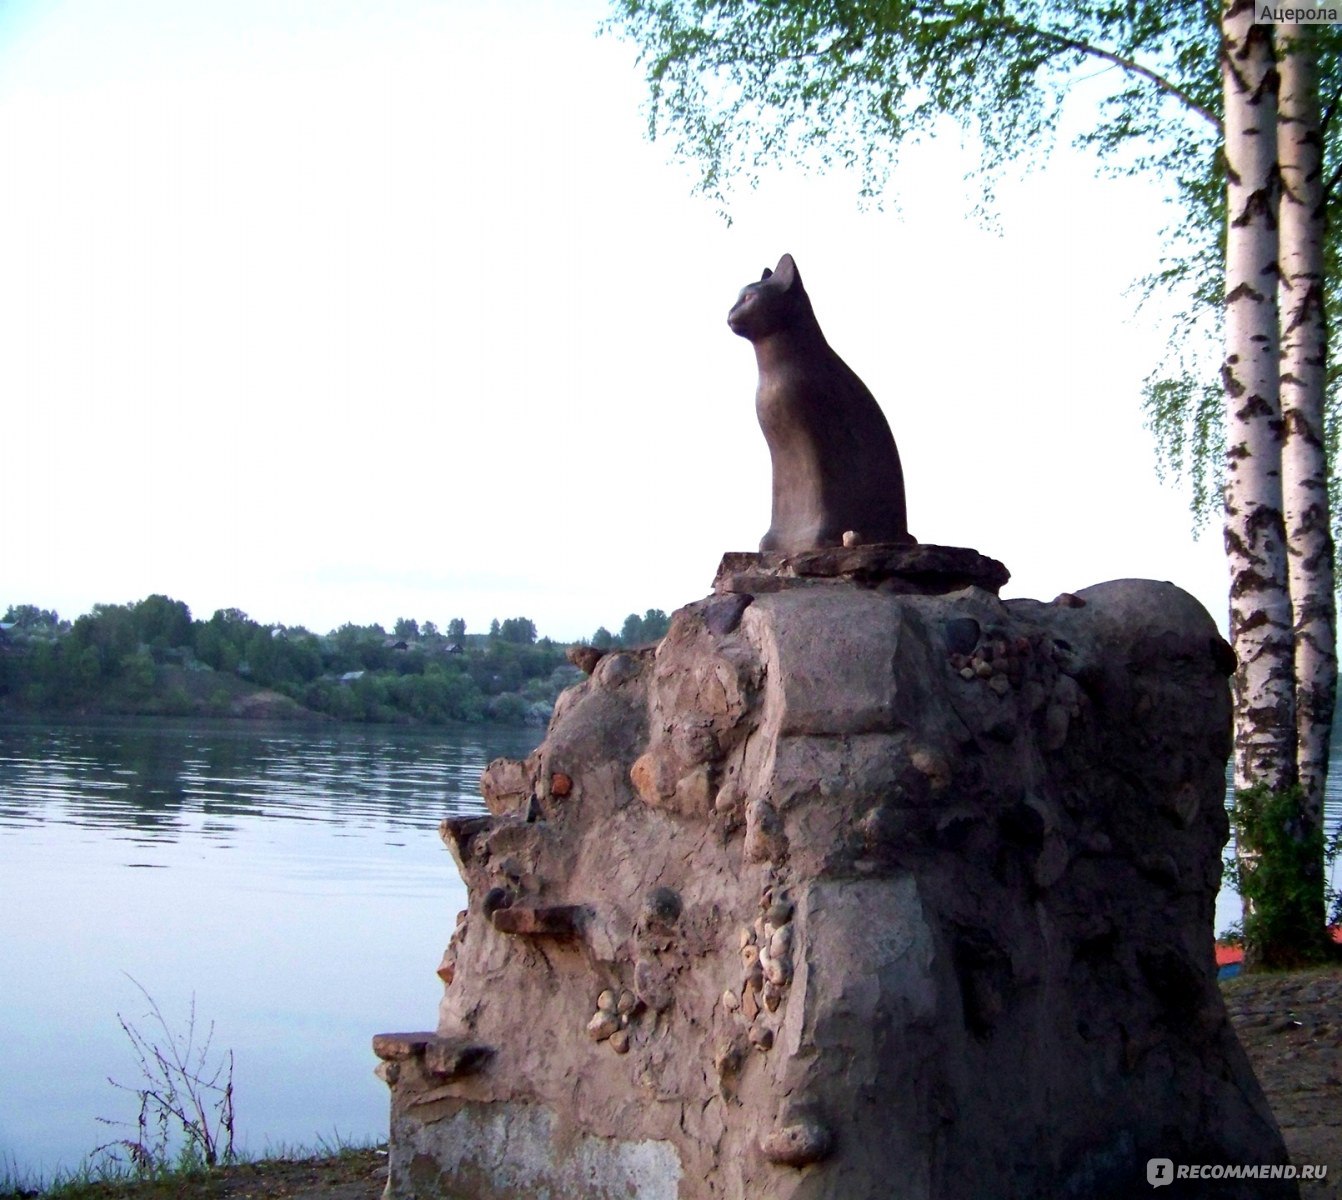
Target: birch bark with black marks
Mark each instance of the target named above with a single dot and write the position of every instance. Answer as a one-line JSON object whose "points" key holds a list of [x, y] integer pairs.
{"points": [[1304, 358], [1260, 605]]}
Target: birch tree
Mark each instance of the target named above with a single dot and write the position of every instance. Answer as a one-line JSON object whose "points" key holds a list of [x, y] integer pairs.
{"points": [[1255, 535], [740, 84], [1304, 360]]}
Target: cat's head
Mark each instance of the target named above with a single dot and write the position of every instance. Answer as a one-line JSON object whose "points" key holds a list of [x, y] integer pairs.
{"points": [[777, 301]]}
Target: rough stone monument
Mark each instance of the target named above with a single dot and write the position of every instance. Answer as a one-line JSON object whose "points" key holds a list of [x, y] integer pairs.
{"points": [[862, 883]]}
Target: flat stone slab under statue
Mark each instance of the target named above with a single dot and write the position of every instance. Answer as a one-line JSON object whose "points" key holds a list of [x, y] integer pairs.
{"points": [[845, 891]]}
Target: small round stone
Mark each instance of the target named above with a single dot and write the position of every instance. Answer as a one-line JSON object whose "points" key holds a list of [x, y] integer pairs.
{"points": [[606, 1002], [730, 1001], [560, 784], [799, 1143], [602, 1026], [750, 955], [761, 1037], [661, 908], [626, 1003], [777, 971], [619, 1041], [780, 912], [747, 938]]}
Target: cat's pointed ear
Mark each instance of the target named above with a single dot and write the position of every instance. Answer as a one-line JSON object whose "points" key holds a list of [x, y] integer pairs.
{"points": [[786, 272], [766, 274]]}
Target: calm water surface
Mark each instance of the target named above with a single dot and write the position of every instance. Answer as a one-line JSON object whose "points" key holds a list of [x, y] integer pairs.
{"points": [[290, 879]]}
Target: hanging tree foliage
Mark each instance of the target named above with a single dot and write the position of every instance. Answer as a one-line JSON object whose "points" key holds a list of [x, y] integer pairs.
{"points": [[740, 85]]}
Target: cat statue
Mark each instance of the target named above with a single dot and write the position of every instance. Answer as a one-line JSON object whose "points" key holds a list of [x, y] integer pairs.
{"points": [[836, 474]]}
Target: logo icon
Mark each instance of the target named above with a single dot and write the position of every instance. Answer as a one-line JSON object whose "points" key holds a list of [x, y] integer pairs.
{"points": [[1159, 1172]]}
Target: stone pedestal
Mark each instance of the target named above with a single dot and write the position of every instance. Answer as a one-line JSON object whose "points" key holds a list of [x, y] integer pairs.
{"points": [[848, 891]]}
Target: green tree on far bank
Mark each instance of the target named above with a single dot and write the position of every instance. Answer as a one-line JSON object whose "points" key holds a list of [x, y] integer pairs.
{"points": [[151, 657]]}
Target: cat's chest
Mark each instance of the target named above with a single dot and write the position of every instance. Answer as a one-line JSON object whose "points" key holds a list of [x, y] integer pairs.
{"points": [[792, 397]]}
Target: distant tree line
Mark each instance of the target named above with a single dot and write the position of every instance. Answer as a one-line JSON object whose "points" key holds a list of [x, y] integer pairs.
{"points": [[636, 630], [151, 656]]}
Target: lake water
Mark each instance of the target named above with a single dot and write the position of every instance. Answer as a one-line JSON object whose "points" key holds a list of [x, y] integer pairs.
{"points": [[290, 879]]}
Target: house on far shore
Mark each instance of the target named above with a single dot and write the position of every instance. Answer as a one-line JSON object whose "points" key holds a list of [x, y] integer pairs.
{"points": [[350, 676]]}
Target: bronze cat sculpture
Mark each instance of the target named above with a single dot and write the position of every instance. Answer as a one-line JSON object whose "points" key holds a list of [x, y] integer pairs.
{"points": [[836, 474]]}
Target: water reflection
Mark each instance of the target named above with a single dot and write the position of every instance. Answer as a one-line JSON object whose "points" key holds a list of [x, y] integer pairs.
{"points": [[289, 880], [143, 780]]}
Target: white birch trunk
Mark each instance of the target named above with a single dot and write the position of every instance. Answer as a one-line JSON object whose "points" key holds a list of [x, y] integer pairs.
{"points": [[1260, 606], [1304, 355]]}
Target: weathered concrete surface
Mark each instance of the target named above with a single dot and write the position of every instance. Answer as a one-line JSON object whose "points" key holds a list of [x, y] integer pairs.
{"points": [[841, 894]]}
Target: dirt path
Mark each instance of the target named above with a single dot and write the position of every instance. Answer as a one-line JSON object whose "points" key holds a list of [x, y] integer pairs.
{"points": [[1291, 1027]]}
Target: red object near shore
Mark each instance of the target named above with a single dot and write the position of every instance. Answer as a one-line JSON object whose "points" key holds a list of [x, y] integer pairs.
{"points": [[1228, 955]]}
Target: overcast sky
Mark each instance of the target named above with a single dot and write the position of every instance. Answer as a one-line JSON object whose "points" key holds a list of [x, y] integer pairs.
{"points": [[345, 311]]}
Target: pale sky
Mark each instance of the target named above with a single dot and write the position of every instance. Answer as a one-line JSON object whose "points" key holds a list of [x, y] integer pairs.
{"points": [[345, 311]]}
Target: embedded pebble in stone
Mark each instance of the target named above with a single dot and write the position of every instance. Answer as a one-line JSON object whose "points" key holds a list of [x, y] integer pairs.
{"points": [[606, 1001], [754, 976], [933, 764], [585, 658], [619, 1041], [750, 955], [780, 912], [495, 899], [615, 669], [560, 784], [851, 538], [730, 1001], [626, 1004], [727, 1060], [722, 614], [602, 1025], [747, 938], [652, 985], [799, 1143], [967, 673], [999, 684], [772, 996], [765, 838], [761, 1037], [1055, 727], [776, 971], [962, 635], [661, 908], [780, 944], [750, 1005], [728, 797], [983, 670]]}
